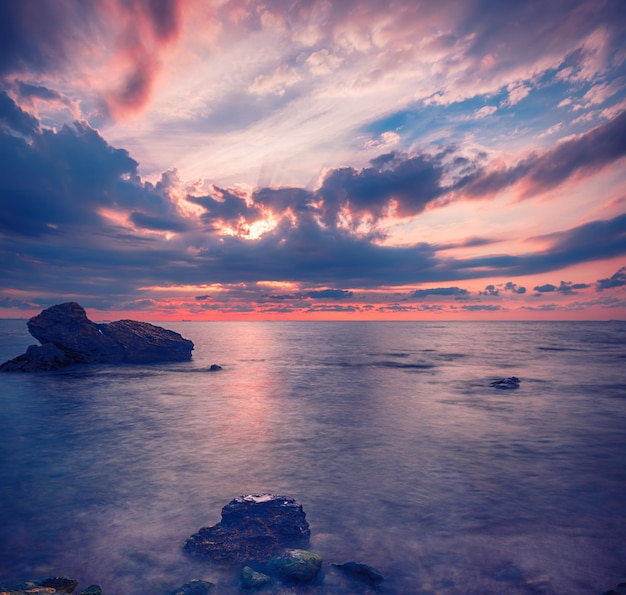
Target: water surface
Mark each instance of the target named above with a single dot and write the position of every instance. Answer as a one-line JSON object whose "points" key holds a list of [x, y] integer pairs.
{"points": [[389, 435]]}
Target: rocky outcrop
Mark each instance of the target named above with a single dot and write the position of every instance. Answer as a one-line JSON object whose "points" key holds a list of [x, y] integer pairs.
{"points": [[253, 528], [68, 337]]}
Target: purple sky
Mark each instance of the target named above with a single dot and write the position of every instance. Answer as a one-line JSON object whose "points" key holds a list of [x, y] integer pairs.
{"points": [[314, 159]]}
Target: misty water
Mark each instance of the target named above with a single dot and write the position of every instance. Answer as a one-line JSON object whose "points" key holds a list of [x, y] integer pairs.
{"points": [[389, 434]]}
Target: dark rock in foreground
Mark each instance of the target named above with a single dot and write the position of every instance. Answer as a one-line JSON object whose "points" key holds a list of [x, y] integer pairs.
{"points": [[68, 337], [253, 528], [506, 383]]}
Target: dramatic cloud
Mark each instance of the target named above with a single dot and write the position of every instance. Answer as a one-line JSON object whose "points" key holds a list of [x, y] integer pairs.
{"points": [[197, 159]]}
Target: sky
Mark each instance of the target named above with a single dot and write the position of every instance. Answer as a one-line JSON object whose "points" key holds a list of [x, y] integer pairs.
{"points": [[310, 159]]}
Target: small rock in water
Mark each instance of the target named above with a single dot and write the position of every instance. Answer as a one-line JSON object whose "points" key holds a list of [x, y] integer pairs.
{"points": [[251, 579], [92, 590], [509, 573], [297, 566], [215, 368], [506, 383], [362, 572], [194, 587]]}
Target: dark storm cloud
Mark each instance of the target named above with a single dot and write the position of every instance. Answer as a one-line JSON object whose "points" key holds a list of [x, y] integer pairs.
{"points": [[306, 252], [63, 178], [547, 288], [490, 290], [411, 183], [224, 205], [440, 291], [514, 288], [616, 280], [484, 308], [329, 294]]}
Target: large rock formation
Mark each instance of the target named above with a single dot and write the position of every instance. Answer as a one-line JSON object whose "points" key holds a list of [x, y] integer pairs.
{"points": [[68, 337], [253, 528]]}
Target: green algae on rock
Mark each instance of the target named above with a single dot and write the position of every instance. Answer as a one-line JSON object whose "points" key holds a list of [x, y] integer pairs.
{"points": [[299, 566]]}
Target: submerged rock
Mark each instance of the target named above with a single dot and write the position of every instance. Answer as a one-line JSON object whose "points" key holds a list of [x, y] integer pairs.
{"points": [[506, 383], [194, 587], [253, 528], [92, 590], [251, 579], [68, 337], [363, 572], [296, 566]]}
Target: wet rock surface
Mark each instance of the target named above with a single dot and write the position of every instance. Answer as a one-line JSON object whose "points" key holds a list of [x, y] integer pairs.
{"points": [[68, 338], [253, 528]]}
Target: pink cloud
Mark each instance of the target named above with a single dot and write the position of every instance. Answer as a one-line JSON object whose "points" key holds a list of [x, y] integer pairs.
{"points": [[146, 30]]}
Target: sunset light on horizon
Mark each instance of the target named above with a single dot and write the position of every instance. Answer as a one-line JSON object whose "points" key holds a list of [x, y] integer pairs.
{"points": [[314, 160]]}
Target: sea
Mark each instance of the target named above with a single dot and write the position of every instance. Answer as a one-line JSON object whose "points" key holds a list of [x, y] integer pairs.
{"points": [[389, 434]]}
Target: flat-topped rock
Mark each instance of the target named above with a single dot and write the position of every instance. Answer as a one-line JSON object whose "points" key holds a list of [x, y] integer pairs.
{"points": [[253, 528], [68, 337]]}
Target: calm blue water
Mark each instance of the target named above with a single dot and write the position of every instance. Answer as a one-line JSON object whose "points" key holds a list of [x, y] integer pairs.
{"points": [[389, 434]]}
